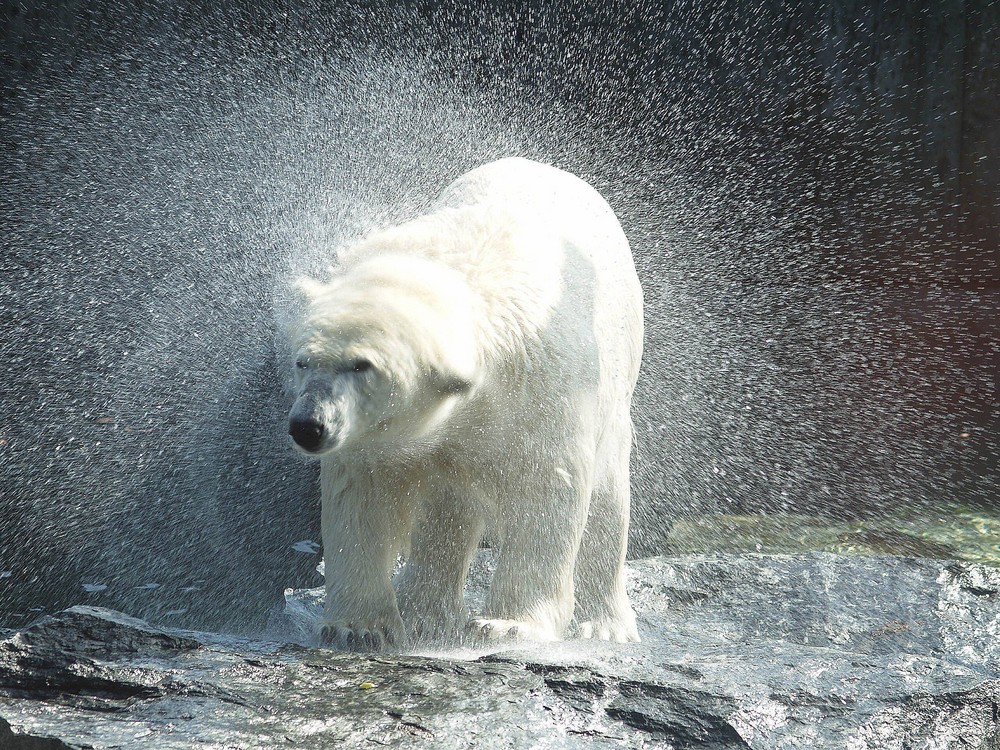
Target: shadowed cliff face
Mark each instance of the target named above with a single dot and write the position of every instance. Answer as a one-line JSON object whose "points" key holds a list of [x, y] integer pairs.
{"points": [[755, 651], [805, 192]]}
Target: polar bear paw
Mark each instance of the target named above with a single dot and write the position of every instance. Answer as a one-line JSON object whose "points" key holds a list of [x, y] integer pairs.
{"points": [[485, 630], [362, 636], [608, 629]]}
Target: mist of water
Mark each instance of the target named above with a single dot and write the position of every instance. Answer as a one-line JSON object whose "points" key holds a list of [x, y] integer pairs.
{"points": [[167, 176]]}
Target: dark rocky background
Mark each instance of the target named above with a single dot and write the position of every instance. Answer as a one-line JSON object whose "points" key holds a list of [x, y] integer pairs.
{"points": [[811, 190]]}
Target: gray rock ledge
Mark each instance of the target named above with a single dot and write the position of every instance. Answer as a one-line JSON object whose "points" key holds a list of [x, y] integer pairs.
{"points": [[758, 651]]}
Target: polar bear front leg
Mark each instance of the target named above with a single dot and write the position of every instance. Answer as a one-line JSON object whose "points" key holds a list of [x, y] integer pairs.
{"points": [[363, 532], [531, 596], [431, 584]]}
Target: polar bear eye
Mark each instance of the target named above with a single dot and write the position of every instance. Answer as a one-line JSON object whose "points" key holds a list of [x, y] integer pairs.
{"points": [[301, 363], [361, 365]]}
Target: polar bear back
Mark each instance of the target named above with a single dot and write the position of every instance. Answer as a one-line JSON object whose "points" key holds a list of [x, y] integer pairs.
{"points": [[550, 200], [552, 271], [585, 238]]}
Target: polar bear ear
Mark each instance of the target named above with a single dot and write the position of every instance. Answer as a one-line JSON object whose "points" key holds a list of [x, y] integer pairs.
{"points": [[310, 289], [451, 384]]}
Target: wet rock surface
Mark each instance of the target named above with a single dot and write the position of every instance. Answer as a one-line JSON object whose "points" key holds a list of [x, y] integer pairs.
{"points": [[760, 651]]}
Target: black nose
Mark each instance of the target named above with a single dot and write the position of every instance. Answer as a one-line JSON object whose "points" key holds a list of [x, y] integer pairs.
{"points": [[306, 432]]}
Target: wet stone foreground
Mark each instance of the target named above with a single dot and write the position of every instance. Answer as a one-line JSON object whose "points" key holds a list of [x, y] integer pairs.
{"points": [[759, 651]]}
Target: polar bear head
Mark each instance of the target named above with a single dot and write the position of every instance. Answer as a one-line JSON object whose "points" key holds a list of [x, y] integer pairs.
{"points": [[383, 355]]}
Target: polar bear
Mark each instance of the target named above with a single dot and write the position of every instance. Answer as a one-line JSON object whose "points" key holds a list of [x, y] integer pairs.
{"points": [[470, 373]]}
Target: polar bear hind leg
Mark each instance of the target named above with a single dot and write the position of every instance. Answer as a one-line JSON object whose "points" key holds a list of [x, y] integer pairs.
{"points": [[603, 610]]}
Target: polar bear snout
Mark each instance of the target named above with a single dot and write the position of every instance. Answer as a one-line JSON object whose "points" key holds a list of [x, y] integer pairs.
{"points": [[317, 425], [307, 433]]}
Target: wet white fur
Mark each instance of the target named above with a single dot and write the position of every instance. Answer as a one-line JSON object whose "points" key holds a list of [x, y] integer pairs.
{"points": [[504, 329]]}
